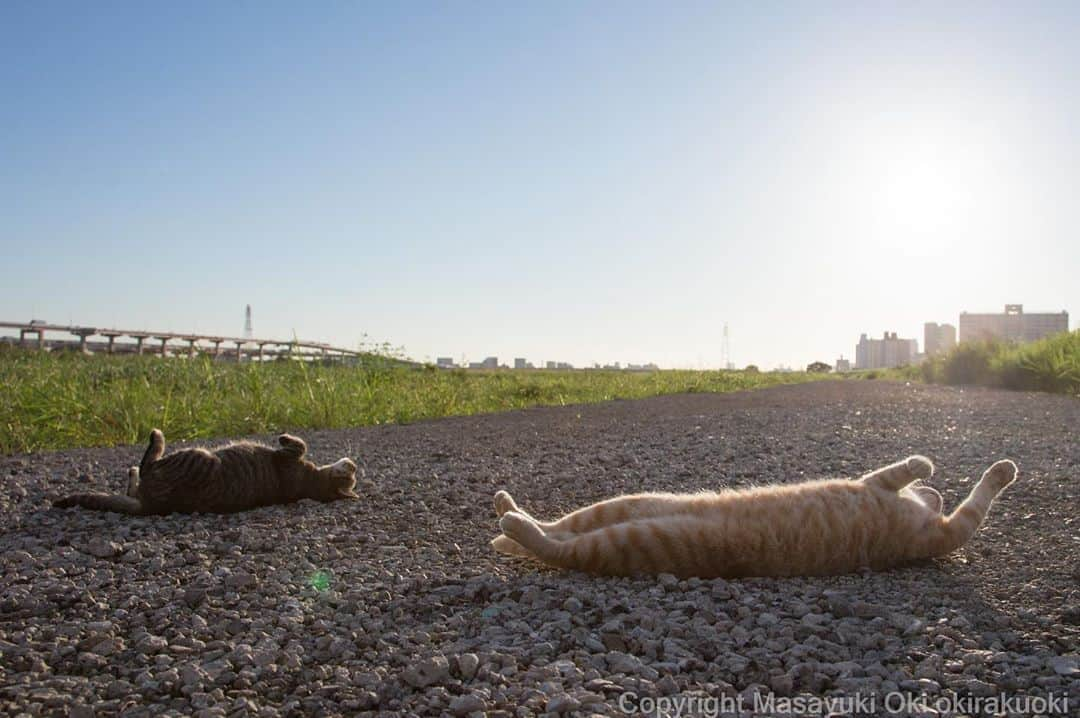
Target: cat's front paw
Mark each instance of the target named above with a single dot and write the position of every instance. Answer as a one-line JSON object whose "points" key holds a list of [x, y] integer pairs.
{"points": [[920, 466], [1000, 475]]}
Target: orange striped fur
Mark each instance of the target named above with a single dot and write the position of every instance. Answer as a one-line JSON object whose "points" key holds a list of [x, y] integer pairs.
{"points": [[820, 527]]}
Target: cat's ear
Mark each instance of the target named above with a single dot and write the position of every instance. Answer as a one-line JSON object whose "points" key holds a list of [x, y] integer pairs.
{"points": [[293, 446]]}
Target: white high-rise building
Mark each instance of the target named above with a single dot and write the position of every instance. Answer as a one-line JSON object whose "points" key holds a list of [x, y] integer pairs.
{"points": [[885, 353], [1014, 325], [938, 338]]}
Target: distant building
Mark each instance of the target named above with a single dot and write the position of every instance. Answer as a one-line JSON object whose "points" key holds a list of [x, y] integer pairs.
{"points": [[1013, 325], [444, 362], [938, 338], [887, 352], [843, 364], [488, 363], [549, 365], [520, 363]]}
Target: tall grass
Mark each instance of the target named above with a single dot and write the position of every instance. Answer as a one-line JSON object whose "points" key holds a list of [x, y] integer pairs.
{"points": [[1051, 364], [62, 400]]}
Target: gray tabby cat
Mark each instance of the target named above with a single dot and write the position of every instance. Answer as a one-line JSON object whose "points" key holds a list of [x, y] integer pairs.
{"points": [[236, 477]]}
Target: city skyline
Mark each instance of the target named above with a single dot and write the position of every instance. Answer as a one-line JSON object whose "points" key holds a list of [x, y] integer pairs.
{"points": [[1012, 324], [590, 183]]}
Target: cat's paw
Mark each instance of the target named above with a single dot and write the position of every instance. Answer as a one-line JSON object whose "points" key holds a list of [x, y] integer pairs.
{"points": [[343, 469], [1000, 475], [504, 503], [133, 481], [293, 445], [505, 544], [521, 528], [920, 466]]}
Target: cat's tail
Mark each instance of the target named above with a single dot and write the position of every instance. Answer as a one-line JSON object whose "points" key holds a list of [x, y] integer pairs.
{"points": [[102, 502], [153, 452]]}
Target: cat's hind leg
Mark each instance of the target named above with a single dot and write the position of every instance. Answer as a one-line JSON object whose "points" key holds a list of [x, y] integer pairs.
{"points": [[962, 523], [625, 508], [505, 544], [649, 545], [292, 446], [607, 513], [598, 515], [896, 476], [524, 531], [133, 481], [504, 504]]}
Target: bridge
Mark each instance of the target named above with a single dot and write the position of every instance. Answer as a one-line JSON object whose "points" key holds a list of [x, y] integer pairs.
{"points": [[236, 347]]}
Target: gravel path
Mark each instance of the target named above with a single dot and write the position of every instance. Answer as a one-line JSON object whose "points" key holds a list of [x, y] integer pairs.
{"points": [[396, 604]]}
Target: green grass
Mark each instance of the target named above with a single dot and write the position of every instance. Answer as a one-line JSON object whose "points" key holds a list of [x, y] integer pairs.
{"points": [[1051, 364], [64, 400]]}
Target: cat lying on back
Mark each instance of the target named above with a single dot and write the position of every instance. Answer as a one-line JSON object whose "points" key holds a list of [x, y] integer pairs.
{"points": [[235, 477], [814, 528]]}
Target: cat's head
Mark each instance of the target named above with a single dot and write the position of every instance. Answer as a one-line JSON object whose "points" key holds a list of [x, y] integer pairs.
{"points": [[337, 481]]}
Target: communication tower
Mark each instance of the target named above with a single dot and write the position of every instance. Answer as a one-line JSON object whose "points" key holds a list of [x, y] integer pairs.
{"points": [[248, 333]]}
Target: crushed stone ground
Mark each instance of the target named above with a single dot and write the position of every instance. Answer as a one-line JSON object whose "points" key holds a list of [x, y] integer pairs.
{"points": [[395, 604]]}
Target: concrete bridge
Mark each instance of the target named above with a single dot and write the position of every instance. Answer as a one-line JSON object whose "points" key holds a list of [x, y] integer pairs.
{"points": [[236, 347]]}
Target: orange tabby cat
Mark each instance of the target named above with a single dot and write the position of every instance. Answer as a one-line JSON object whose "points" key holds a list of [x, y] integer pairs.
{"points": [[814, 528]]}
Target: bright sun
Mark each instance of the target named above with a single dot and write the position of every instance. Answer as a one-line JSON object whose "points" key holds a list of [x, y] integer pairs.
{"points": [[925, 190], [923, 183]]}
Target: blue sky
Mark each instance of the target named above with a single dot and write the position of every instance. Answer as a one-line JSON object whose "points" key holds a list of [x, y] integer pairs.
{"points": [[587, 182]]}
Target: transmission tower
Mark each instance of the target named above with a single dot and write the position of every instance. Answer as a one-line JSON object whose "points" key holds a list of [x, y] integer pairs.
{"points": [[248, 333], [725, 350]]}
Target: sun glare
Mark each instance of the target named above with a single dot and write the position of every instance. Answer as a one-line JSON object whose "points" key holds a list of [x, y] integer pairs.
{"points": [[927, 190], [921, 193]]}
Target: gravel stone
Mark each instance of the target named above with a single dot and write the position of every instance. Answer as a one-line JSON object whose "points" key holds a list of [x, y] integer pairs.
{"points": [[467, 665], [103, 548], [428, 672], [466, 704], [563, 703]]}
